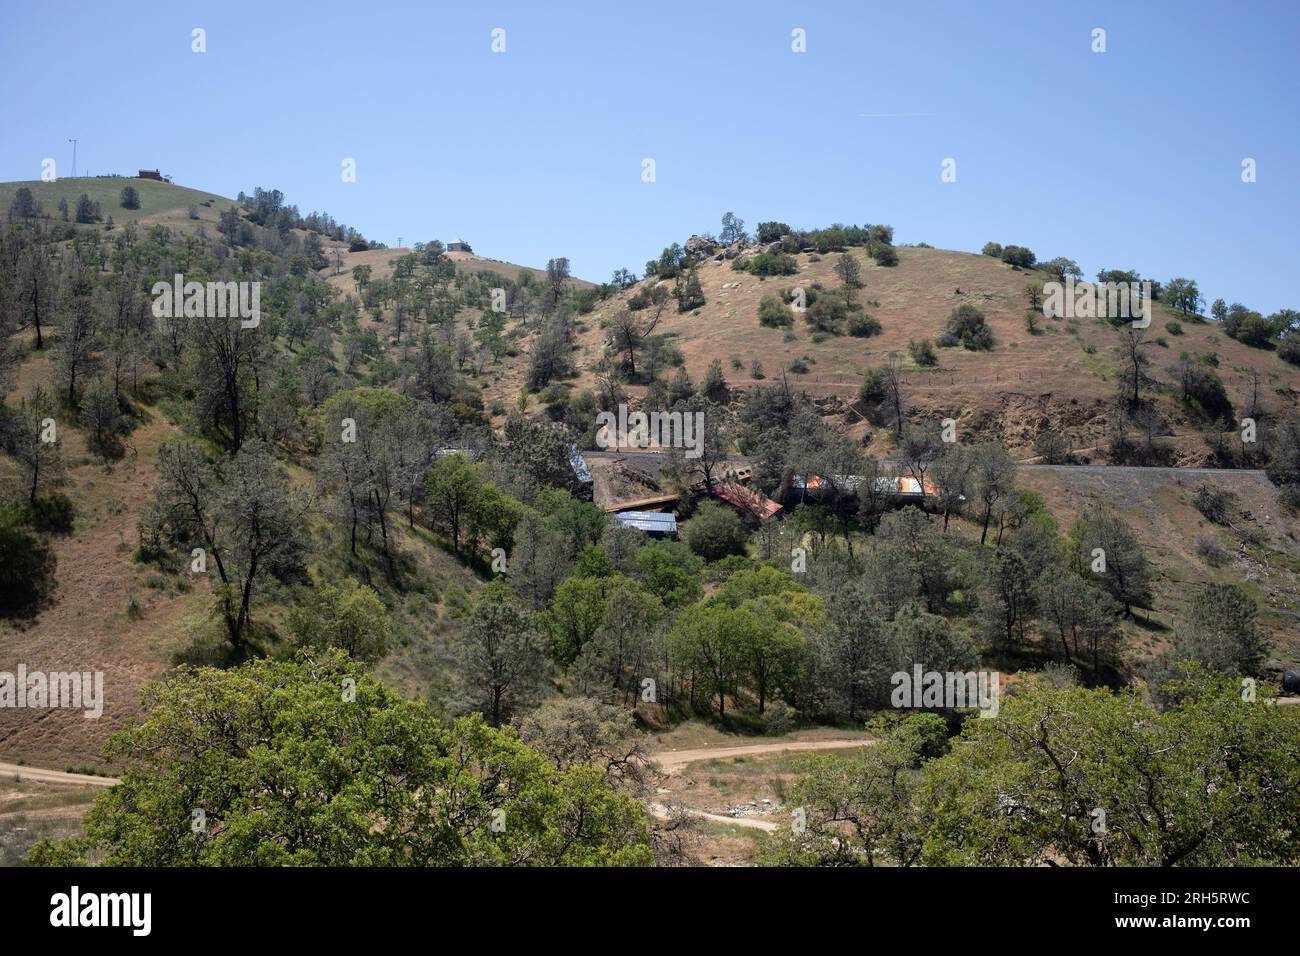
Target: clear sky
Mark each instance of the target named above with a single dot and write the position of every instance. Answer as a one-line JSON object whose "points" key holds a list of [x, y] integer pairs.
{"points": [[1129, 158]]}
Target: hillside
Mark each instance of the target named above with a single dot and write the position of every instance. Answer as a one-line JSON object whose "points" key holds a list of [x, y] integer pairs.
{"points": [[405, 345], [1062, 378], [159, 202]]}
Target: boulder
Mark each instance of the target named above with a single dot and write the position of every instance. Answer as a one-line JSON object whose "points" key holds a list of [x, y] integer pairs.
{"points": [[699, 247]]}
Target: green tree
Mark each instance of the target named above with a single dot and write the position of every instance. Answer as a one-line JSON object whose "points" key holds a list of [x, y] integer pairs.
{"points": [[500, 660], [992, 478], [1007, 599], [351, 618], [1182, 294], [714, 387], [854, 652], [733, 229], [849, 270], [670, 571], [582, 732], [573, 615], [453, 487], [709, 641], [1081, 616], [32, 440], [860, 810], [315, 764], [1108, 551], [538, 561], [1090, 778], [715, 532], [689, 292], [623, 649], [244, 515], [1222, 632]]}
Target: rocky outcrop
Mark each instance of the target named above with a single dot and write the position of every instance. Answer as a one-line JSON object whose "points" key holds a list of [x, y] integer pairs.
{"points": [[700, 247]]}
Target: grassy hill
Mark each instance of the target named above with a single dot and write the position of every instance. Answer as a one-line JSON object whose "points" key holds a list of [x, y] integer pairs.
{"points": [[156, 199]]}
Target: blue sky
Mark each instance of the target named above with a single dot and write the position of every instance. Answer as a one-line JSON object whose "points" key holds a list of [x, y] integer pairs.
{"points": [[1125, 159]]}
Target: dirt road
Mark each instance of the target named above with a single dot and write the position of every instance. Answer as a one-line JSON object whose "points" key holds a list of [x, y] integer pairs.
{"points": [[37, 775], [753, 823], [672, 761]]}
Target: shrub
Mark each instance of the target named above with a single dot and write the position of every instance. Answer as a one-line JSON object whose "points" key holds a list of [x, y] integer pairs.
{"points": [[779, 718], [873, 385], [863, 326], [1288, 497], [774, 314], [993, 249], [26, 568], [51, 514], [1174, 327], [798, 366], [772, 264], [584, 300], [827, 310], [966, 325], [1289, 350], [1211, 551], [922, 352], [1213, 503], [884, 255], [1052, 447], [1204, 389]]}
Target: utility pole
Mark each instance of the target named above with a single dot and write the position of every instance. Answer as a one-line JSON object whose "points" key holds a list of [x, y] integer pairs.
{"points": [[399, 242], [74, 157]]}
